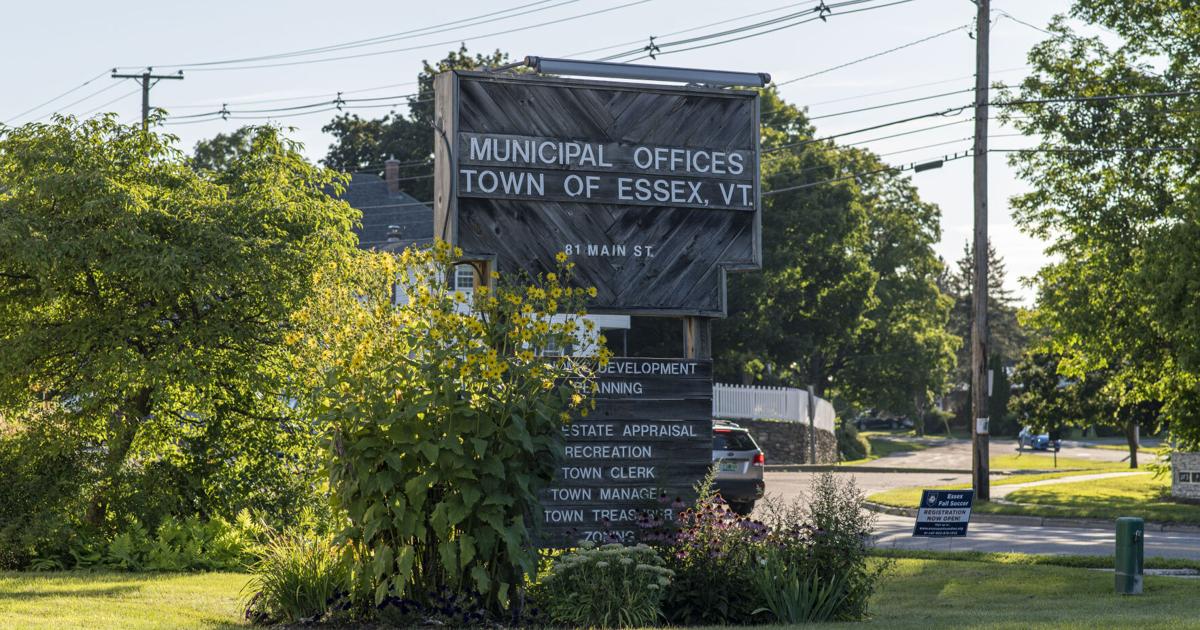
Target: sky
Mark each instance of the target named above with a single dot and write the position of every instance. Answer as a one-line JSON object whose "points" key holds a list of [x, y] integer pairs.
{"points": [[48, 48]]}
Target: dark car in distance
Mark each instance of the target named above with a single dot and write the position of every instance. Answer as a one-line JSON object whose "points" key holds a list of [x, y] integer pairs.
{"points": [[739, 463]]}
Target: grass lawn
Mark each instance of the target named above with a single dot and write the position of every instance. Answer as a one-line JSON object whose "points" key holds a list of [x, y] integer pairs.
{"points": [[919, 593], [882, 446], [121, 600], [1043, 461], [924, 594], [1143, 451], [1140, 495]]}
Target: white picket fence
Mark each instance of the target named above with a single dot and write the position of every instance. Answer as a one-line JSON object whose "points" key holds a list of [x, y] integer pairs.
{"points": [[749, 402]]}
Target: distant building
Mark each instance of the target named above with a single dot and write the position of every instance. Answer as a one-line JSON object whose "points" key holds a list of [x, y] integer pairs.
{"points": [[391, 219]]}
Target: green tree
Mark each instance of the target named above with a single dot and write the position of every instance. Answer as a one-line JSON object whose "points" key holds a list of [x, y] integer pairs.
{"points": [[1046, 401], [1118, 207], [362, 144], [150, 300], [1006, 337], [220, 151], [847, 299]]}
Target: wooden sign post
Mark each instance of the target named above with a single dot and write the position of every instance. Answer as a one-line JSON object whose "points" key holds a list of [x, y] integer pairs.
{"points": [[653, 192]]}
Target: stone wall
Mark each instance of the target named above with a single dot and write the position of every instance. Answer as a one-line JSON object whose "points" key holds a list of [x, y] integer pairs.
{"points": [[787, 442], [1185, 475]]}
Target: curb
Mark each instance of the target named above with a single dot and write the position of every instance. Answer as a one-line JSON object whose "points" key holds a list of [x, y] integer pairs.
{"points": [[860, 469], [896, 469], [1040, 521]]}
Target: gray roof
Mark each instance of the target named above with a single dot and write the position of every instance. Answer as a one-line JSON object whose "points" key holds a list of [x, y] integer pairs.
{"points": [[369, 194]]}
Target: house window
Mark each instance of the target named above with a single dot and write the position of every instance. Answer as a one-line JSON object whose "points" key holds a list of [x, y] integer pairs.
{"points": [[464, 279]]}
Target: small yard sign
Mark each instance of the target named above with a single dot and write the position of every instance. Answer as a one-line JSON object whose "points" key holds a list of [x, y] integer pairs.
{"points": [[944, 513]]}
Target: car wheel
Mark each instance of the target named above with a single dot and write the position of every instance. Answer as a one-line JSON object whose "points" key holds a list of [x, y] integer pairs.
{"points": [[742, 508]]}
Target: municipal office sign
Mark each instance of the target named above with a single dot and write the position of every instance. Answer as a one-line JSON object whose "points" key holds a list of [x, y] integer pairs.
{"points": [[653, 191], [944, 513]]}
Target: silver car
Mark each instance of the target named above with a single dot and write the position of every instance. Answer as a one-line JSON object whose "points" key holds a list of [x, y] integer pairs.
{"points": [[739, 463]]}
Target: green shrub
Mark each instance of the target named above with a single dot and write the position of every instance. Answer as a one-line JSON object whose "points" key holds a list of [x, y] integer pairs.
{"points": [[851, 445], [612, 586], [840, 546], [178, 545], [806, 560], [713, 558], [297, 578], [794, 593], [443, 421]]}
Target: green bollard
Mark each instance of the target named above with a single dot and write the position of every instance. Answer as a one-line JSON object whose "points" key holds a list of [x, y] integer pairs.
{"points": [[1130, 536]]}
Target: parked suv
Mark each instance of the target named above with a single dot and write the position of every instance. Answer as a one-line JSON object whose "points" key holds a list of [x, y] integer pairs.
{"points": [[739, 463]]}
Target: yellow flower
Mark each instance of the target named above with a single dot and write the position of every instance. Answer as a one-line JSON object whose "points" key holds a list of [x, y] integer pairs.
{"points": [[561, 257], [552, 277], [591, 291]]}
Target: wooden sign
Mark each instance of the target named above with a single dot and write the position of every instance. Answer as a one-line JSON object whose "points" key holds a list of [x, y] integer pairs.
{"points": [[633, 462], [653, 191]]}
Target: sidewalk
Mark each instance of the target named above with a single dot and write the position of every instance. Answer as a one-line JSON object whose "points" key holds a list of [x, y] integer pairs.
{"points": [[999, 492]]}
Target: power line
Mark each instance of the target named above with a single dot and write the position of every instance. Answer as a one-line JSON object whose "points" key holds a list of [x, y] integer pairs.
{"points": [[687, 30], [1095, 150], [236, 101], [953, 111], [892, 104], [107, 103], [420, 32], [1085, 99], [911, 87], [875, 55], [897, 169], [70, 91], [428, 45], [76, 102], [656, 50]]}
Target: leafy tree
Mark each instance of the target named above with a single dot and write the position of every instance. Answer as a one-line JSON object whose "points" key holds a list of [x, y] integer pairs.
{"points": [[847, 299], [1118, 207], [1006, 337], [1046, 401], [364, 144], [220, 151], [150, 301], [443, 422]]}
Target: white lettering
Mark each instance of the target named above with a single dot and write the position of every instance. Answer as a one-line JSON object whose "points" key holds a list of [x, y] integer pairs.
{"points": [[643, 158], [735, 164], [470, 173], [482, 150], [484, 186]]}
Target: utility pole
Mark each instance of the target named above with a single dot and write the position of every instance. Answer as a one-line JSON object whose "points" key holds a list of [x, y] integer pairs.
{"points": [[145, 79], [979, 295]]}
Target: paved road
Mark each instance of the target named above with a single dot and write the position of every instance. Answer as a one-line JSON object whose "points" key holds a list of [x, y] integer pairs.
{"points": [[956, 454], [896, 531]]}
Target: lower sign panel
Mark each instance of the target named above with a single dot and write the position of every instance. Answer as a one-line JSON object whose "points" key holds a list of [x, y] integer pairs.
{"points": [[631, 466], [944, 513]]}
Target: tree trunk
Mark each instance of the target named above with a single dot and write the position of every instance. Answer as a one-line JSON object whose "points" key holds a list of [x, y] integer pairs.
{"points": [[919, 421], [1131, 436], [123, 428]]}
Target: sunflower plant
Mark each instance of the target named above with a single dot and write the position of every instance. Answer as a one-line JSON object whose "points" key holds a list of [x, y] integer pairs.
{"points": [[443, 415]]}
